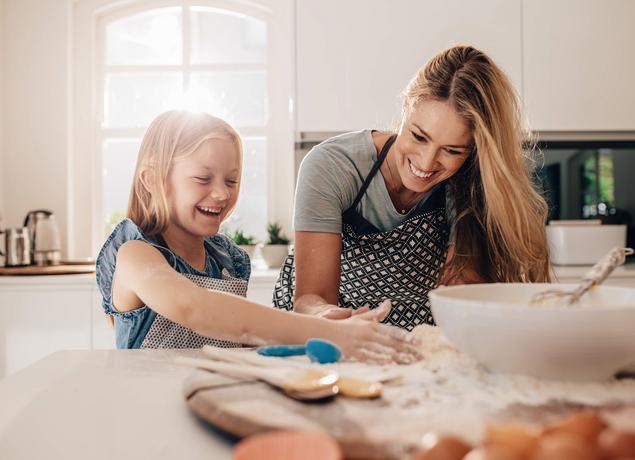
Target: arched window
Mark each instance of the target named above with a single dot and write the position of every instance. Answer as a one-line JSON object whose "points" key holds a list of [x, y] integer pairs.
{"points": [[221, 57]]}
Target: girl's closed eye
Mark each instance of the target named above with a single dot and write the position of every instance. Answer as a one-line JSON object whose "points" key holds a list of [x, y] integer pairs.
{"points": [[232, 182], [202, 179]]}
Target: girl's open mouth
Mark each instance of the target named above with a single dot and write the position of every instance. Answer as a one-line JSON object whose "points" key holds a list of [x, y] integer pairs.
{"points": [[209, 211]]}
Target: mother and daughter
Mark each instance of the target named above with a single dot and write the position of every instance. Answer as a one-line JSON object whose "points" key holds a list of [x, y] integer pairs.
{"points": [[170, 280]]}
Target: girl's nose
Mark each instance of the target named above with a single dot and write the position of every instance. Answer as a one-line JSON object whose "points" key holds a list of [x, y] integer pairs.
{"points": [[220, 193]]}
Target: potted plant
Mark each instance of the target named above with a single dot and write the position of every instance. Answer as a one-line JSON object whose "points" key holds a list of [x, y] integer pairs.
{"points": [[277, 247], [246, 242]]}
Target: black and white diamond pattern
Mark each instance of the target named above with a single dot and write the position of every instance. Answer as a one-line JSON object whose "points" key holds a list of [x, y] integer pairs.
{"points": [[165, 333], [401, 265]]}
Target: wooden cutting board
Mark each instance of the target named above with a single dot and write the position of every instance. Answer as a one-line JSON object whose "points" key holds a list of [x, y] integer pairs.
{"points": [[365, 429], [34, 270]]}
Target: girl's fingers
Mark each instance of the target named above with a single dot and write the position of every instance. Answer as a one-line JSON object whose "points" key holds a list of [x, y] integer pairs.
{"points": [[367, 355]]}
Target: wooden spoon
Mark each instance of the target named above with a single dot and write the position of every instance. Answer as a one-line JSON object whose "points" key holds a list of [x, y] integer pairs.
{"points": [[301, 384]]}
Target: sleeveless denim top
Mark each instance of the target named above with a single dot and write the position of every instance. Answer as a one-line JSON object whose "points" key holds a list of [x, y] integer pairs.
{"points": [[131, 327]]}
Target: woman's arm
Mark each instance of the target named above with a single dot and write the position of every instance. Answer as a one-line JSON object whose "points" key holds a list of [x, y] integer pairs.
{"points": [[142, 273], [317, 272]]}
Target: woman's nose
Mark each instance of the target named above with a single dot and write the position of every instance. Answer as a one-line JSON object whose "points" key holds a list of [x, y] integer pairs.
{"points": [[429, 156]]}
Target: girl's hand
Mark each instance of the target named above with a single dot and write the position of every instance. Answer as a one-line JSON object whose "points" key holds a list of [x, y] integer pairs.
{"points": [[361, 338]]}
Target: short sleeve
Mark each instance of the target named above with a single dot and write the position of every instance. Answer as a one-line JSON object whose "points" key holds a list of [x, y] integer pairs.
{"points": [[326, 187], [230, 256]]}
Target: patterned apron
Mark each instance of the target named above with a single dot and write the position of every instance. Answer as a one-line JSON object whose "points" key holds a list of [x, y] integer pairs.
{"points": [[402, 264], [164, 333]]}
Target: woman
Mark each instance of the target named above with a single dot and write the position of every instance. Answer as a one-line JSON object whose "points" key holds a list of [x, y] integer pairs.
{"points": [[448, 199]]}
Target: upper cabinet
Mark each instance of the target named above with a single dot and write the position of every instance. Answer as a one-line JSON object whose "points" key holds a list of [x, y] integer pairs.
{"points": [[355, 57], [578, 64]]}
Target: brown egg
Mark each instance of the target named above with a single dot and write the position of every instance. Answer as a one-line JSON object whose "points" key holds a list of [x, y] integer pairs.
{"points": [[586, 424], [616, 444], [493, 452], [435, 447], [564, 446], [288, 445], [519, 438]]}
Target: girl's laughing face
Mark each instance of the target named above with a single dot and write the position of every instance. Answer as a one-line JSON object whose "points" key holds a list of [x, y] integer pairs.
{"points": [[202, 188]]}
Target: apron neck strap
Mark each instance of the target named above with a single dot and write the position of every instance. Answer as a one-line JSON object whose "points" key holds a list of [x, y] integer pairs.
{"points": [[380, 159]]}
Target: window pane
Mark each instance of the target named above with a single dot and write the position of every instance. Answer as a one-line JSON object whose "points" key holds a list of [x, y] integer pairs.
{"points": [[250, 214], [151, 37], [239, 98], [133, 100], [118, 162], [223, 37]]}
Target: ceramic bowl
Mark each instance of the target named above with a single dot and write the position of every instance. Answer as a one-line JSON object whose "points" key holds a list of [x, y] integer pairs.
{"points": [[496, 325]]}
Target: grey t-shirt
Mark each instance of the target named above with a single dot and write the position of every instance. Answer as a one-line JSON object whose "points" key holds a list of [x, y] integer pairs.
{"points": [[330, 177]]}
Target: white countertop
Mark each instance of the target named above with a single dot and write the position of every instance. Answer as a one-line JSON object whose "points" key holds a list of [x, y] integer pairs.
{"points": [[266, 277], [104, 404]]}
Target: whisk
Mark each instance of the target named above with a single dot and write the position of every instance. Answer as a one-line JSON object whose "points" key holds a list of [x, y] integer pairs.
{"points": [[596, 275]]}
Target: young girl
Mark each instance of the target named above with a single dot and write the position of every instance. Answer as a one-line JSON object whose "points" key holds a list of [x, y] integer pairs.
{"points": [[171, 281]]}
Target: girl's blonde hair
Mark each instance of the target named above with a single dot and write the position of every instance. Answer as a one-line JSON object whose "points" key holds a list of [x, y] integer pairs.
{"points": [[500, 217], [171, 136]]}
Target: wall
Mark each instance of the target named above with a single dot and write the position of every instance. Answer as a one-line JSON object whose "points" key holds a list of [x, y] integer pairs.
{"points": [[2, 105], [36, 144]]}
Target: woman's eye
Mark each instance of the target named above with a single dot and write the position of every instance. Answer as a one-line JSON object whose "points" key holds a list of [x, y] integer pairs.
{"points": [[418, 137], [454, 152], [202, 178]]}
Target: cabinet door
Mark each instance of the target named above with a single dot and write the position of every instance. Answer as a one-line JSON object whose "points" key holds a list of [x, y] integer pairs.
{"points": [[36, 322], [355, 57], [578, 64]]}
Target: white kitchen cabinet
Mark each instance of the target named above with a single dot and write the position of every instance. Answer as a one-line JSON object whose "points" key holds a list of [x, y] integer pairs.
{"points": [[355, 57], [36, 320], [578, 64]]}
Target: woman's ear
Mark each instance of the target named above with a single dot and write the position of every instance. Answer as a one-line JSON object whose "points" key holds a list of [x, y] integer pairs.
{"points": [[146, 176]]}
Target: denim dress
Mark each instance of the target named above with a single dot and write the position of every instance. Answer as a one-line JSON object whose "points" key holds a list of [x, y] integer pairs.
{"points": [[227, 268]]}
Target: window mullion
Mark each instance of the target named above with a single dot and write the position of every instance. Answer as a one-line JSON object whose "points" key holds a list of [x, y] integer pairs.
{"points": [[187, 49]]}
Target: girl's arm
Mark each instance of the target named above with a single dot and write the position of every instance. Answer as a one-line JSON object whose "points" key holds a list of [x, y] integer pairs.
{"points": [[143, 275]]}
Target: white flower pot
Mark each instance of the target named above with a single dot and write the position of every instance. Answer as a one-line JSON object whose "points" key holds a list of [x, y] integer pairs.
{"points": [[274, 254]]}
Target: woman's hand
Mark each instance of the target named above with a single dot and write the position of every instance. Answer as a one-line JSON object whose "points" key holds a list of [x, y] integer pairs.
{"points": [[328, 311], [362, 338]]}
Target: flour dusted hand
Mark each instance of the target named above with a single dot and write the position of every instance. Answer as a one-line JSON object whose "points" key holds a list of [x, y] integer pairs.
{"points": [[362, 338]]}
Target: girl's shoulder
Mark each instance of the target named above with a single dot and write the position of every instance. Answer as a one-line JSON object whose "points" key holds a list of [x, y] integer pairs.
{"points": [[106, 261], [229, 255]]}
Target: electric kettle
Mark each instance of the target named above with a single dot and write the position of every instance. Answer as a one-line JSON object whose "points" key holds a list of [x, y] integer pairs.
{"points": [[45, 237]]}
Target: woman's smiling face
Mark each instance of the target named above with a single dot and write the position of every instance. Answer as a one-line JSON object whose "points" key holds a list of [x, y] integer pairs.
{"points": [[433, 143], [202, 187]]}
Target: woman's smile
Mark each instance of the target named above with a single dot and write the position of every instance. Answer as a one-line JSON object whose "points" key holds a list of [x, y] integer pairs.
{"points": [[420, 173]]}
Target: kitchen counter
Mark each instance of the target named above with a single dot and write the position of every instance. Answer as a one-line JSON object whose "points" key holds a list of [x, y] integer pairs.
{"points": [[104, 404], [266, 277]]}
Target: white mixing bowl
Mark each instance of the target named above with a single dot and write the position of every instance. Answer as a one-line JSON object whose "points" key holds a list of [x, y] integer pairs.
{"points": [[496, 325]]}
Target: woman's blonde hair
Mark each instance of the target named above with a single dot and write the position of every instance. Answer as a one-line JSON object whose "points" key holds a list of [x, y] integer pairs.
{"points": [[500, 216], [171, 136]]}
